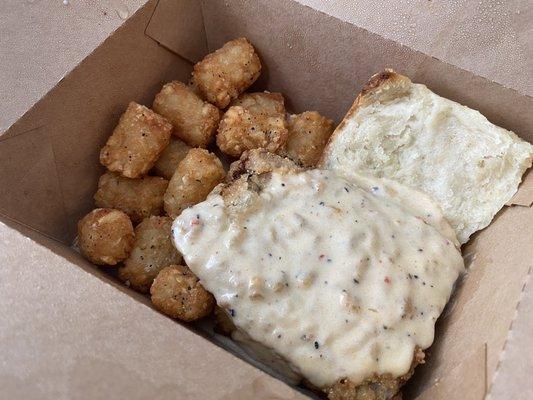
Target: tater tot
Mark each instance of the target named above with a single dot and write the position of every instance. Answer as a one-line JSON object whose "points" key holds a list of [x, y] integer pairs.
{"points": [[170, 158], [257, 120], [223, 75], [105, 236], [308, 134], [194, 120], [152, 251], [139, 198], [197, 174], [177, 293], [138, 139]]}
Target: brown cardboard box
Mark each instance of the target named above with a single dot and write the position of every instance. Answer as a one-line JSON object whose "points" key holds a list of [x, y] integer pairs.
{"points": [[70, 331]]}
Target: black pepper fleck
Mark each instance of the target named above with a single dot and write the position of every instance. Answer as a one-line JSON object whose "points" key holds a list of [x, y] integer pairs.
{"points": [[355, 281], [347, 191], [316, 345], [232, 312], [321, 203]]}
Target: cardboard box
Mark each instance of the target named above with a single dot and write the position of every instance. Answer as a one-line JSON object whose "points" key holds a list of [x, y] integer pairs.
{"points": [[69, 330]]}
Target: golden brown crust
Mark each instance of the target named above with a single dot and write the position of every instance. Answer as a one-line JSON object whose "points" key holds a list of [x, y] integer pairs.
{"points": [[308, 135], [194, 120], [257, 120], [378, 83], [224, 74], [197, 174], [139, 198], [177, 292], [138, 139], [382, 387], [168, 161], [152, 251], [105, 236]]}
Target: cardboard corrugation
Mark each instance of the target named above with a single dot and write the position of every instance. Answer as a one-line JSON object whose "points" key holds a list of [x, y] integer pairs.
{"points": [[49, 169]]}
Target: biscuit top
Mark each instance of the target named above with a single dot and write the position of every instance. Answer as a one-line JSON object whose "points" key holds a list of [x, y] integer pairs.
{"points": [[341, 276]]}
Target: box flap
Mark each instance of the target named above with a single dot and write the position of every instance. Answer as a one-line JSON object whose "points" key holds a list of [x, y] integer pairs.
{"points": [[507, 383], [67, 333], [50, 155], [178, 25], [491, 39]]}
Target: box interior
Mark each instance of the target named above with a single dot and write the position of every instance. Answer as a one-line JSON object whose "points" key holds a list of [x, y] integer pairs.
{"points": [[49, 158]]}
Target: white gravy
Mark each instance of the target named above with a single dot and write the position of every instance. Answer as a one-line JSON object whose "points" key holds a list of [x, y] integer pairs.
{"points": [[342, 277]]}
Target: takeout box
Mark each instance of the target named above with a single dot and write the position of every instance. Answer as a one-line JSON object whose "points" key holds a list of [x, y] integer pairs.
{"points": [[70, 330]]}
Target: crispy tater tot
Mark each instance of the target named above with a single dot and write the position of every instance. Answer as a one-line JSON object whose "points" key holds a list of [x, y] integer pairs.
{"points": [[197, 174], [152, 251], [138, 139], [170, 158], [257, 120], [308, 134], [139, 198], [194, 120], [105, 236], [223, 75], [177, 293]]}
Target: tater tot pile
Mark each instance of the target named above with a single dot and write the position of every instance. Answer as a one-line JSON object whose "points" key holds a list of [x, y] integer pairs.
{"points": [[152, 251], [256, 120], [308, 134], [197, 174], [162, 160], [105, 236], [177, 293], [223, 75]]}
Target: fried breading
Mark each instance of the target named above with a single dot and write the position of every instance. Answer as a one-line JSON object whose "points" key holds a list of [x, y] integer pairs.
{"points": [[194, 120], [139, 198], [152, 251], [197, 174], [383, 387], [177, 293], [224, 325], [308, 134], [258, 161], [105, 236], [257, 120], [170, 158], [138, 139], [223, 75]]}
